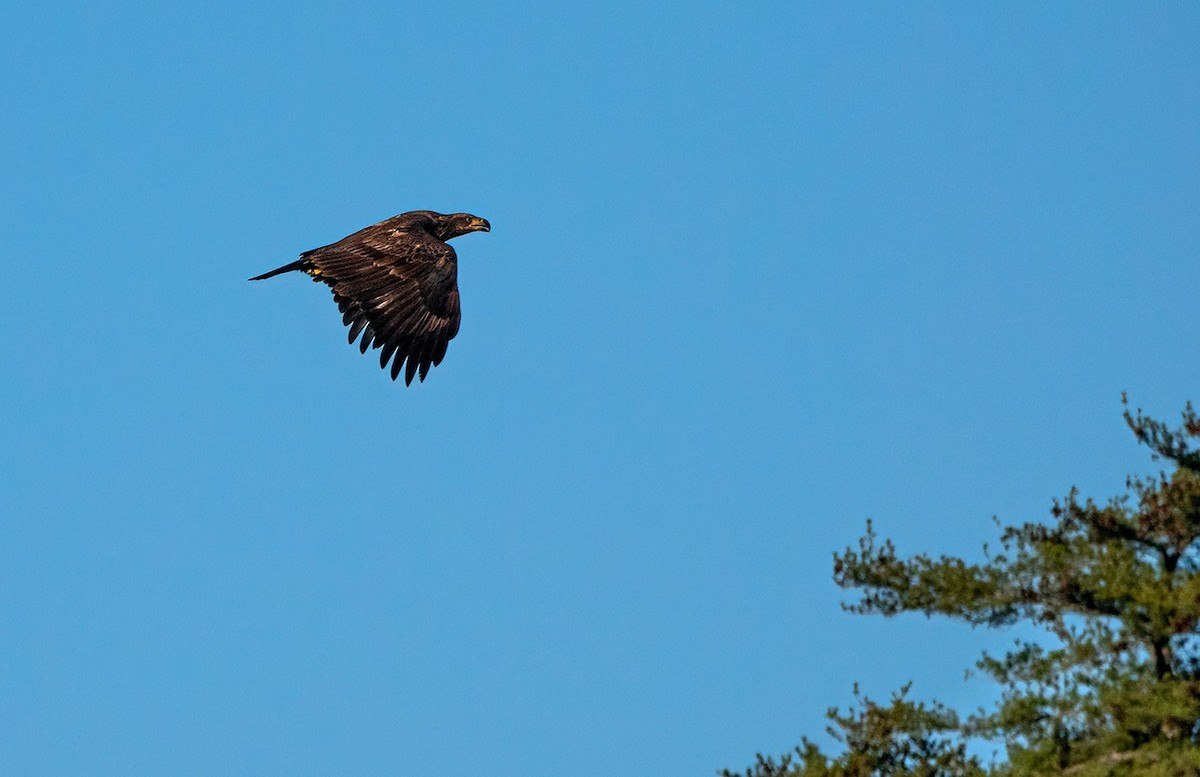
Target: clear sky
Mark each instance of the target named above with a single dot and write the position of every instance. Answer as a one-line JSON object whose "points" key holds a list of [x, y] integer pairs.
{"points": [[757, 271]]}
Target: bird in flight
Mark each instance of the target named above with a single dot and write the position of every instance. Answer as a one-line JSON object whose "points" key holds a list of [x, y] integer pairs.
{"points": [[396, 283]]}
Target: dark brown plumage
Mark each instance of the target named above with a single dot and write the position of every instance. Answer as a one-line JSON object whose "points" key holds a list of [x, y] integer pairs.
{"points": [[396, 283]]}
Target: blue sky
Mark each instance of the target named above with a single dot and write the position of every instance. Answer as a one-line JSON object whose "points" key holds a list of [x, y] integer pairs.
{"points": [[757, 272]]}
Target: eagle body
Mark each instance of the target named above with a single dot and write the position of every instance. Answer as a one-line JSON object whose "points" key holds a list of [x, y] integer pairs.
{"points": [[396, 284]]}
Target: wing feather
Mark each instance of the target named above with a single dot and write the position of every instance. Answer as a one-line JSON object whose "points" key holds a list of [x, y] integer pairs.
{"points": [[365, 342], [410, 369], [439, 349], [398, 363], [357, 326]]}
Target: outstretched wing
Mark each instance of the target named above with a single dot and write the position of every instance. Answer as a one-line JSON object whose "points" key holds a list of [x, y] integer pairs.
{"points": [[398, 289]]}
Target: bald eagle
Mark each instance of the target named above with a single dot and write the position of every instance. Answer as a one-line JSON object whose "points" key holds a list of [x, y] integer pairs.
{"points": [[396, 283]]}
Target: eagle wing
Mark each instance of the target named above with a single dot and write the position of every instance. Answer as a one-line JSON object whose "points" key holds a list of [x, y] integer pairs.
{"points": [[398, 289]]}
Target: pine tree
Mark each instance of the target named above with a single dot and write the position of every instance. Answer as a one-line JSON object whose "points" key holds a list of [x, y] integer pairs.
{"points": [[1114, 689]]}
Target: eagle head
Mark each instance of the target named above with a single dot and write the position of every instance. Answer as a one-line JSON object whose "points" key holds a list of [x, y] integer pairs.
{"points": [[450, 225]]}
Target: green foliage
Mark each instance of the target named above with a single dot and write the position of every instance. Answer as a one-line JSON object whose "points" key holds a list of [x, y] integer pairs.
{"points": [[904, 738], [1115, 688]]}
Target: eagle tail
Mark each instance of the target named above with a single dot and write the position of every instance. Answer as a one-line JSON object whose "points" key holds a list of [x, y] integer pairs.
{"points": [[296, 265]]}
